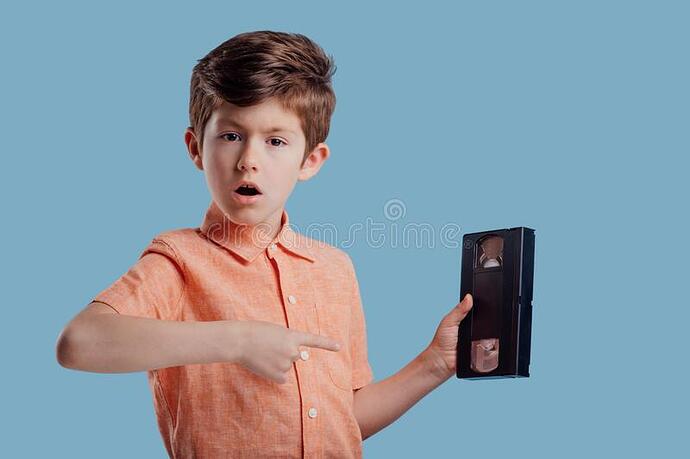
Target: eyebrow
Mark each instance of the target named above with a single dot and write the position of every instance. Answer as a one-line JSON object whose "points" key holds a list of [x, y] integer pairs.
{"points": [[228, 121]]}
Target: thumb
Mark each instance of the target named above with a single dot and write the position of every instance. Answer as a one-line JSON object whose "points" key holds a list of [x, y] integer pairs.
{"points": [[462, 308]]}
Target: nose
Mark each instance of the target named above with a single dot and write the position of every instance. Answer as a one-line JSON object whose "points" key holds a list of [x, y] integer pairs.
{"points": [[248, 160]]}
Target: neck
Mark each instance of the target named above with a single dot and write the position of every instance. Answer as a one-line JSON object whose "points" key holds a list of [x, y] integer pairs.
{"points": [[257, 234]]}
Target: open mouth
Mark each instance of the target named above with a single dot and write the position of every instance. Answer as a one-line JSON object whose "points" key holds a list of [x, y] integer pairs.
{"points": [[247, 190]]}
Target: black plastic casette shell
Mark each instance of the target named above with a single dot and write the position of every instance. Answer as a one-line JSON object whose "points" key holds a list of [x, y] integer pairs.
{"points": [[494, 339]]}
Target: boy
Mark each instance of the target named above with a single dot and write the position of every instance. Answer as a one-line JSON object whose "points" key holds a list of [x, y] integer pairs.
{"points": [[253, 335]]}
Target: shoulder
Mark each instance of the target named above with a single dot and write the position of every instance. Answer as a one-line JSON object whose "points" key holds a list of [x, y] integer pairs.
{"points": [[179, 238], [326, 255], [174, 244]]}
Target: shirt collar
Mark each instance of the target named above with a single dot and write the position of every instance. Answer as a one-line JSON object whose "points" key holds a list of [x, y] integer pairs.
{"points": [[248, 244]]}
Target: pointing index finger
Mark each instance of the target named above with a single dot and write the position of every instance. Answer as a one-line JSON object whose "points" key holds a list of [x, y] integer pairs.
{"points": [[320, 341]]}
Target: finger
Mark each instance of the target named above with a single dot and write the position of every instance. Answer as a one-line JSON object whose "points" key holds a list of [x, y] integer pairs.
{"points": [[466, 304], [320, 341], [461, 309]]}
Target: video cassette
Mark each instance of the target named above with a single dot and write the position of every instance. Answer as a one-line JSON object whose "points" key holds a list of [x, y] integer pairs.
{"points": [[498, 271]]}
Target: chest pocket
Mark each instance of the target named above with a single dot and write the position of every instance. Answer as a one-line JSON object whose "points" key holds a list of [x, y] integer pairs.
{"points": [[334, 322]]}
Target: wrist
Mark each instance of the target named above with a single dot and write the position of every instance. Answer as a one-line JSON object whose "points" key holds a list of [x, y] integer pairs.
{"points": [[436, 365], [228, 336]]}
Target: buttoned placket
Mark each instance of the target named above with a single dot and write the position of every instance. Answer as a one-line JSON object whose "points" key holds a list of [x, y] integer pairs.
{"points": [[298, 317]]}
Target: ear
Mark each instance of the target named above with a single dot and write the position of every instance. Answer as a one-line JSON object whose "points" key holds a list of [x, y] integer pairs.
{"points": [[314, 161], [193, 148]]}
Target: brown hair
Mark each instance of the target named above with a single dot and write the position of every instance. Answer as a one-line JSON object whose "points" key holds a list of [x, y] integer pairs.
{"points": [[254, 66]]}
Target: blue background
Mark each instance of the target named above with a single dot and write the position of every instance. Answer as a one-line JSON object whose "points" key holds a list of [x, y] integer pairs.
{"points": [[576, 112]]}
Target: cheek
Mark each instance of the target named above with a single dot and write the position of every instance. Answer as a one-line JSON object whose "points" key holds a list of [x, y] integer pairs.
{"points": [[286, 176], [218, 171]]}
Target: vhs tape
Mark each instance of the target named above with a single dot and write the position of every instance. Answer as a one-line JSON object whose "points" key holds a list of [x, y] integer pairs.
{"points": [[497, 270]]}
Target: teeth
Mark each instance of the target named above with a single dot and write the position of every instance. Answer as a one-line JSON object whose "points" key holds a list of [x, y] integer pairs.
{"points": [[247, 190]]}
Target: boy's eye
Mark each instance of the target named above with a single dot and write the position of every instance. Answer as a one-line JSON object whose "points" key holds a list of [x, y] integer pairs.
{"points": [[234, 136], [276, 142]]}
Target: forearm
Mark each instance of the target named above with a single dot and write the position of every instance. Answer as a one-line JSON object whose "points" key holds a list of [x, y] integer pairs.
{"points": [[115, 343], [379, 404]]}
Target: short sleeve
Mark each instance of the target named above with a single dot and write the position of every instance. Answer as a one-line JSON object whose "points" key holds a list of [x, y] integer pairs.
{"points": [[151, 288], [362, 373]]}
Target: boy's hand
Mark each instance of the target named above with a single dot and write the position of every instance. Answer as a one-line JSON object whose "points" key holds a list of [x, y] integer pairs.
{"points": [[269, 349], [441, 352]]}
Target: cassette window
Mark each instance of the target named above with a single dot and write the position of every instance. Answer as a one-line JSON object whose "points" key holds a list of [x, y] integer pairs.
{"points": [[490, 252]]}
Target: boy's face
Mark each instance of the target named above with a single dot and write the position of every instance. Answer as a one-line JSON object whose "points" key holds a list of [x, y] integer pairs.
{"points": [[263, 144]]}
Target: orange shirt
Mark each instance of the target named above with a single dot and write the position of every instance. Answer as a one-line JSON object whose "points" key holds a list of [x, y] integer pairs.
{"points": [[216, 272]]}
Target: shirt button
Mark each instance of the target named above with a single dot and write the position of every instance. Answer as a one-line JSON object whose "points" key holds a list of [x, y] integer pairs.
{"points": [[304, 355], [312, 412], [292, 299]]}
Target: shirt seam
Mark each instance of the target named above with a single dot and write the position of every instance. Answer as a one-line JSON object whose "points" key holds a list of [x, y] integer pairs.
{"points": [[360, 376], [161, 392], [178, 304], [178, 315]]}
